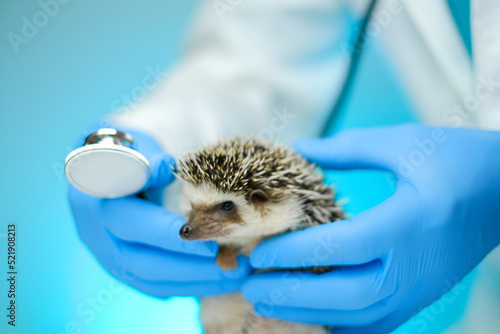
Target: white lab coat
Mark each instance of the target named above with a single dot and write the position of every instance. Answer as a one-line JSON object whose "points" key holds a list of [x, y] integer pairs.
{"points": [[270, 67]]}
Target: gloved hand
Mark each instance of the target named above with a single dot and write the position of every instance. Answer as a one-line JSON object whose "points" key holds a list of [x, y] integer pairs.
{"points": [[402, 254], [139, 243]]}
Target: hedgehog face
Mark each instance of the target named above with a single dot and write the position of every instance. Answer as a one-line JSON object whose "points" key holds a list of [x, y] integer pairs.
{"points": [[228, 217]]}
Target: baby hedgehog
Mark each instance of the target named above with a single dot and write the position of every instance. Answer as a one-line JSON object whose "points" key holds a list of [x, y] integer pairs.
{"points": [[239, 192]]}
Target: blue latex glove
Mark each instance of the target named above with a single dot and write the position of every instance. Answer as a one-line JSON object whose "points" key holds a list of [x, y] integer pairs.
{"points": [[402, 254], [139, 243]]}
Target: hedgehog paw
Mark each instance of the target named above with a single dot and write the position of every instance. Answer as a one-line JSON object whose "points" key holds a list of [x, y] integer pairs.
{"points": [[227, 257]]}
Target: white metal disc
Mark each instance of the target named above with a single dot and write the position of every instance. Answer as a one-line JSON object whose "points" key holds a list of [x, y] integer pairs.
{"points": [[107, 171]]}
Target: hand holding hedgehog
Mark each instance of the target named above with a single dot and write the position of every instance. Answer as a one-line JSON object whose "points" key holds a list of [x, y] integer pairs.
{"points": [[239, 192], [138, 241], [401, 255], [392, 260]]}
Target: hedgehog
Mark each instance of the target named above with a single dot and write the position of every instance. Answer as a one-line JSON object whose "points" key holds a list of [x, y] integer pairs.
{"points": [[239, 192]]}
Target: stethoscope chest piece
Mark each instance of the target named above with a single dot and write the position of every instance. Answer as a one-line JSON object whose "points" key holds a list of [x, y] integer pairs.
{"points": [[108, 166]]}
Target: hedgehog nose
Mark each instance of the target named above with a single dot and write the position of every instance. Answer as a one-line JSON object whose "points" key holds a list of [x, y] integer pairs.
{"points": [[186, 231]]}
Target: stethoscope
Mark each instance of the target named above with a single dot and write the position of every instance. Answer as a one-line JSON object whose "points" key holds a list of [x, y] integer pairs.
{"points": [[108, 164]]}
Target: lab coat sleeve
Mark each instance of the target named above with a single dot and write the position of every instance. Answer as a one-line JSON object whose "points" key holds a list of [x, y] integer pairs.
{"points": [[270, 68], [486, 52]]}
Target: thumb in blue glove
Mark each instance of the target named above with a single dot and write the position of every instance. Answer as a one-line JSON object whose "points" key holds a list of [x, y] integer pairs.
{"points": [[401, 255]]}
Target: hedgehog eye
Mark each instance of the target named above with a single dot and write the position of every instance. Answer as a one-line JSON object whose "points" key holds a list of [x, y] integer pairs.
{"points": [[227, 206]]}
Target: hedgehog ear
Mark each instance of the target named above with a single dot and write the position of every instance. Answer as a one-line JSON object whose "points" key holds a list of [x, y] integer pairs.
{"points": [[258, 196]]}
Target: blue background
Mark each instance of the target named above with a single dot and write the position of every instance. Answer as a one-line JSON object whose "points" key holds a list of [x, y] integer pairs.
{"points": [[68, 75]]}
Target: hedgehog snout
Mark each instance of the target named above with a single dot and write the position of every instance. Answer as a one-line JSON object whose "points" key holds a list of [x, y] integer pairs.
{"points": [[186, 231], [193, 229]]}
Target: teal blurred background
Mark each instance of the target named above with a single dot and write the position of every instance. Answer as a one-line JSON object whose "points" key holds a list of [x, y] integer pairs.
{"points": [[72, 71]]}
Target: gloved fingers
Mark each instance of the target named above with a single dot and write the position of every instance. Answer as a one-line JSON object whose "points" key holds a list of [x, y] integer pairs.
{"points": [[162, 170], [324, 317], [339, 243], [154, 264], [377, 148], [84, 207], [161, 163], [361, 239], [137, 220], [160, 289], [164, 289], [344, 288]]}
